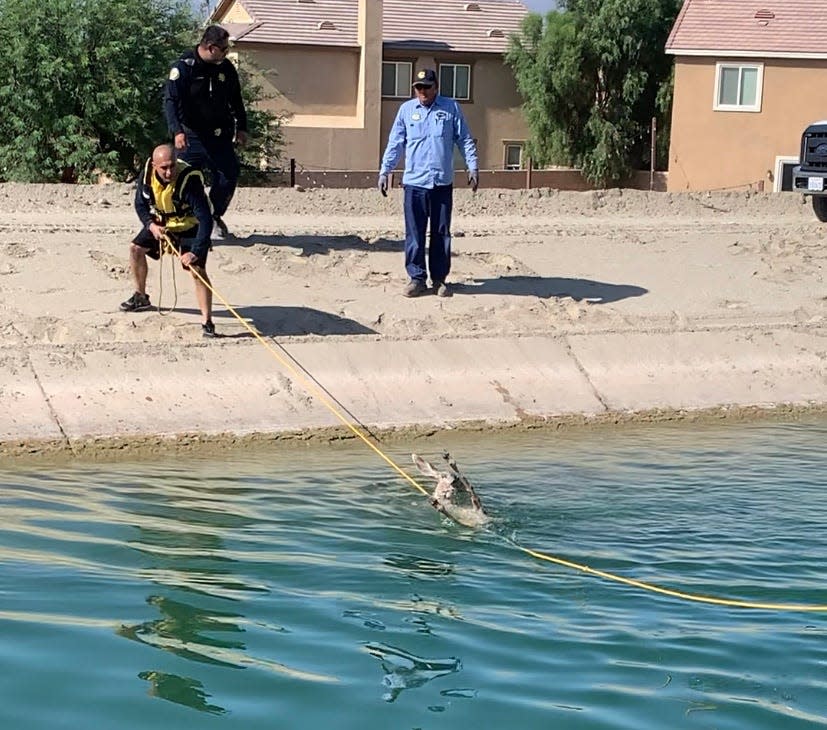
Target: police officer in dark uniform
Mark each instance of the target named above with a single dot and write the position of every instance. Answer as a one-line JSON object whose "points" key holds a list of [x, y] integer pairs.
{"points": [[205, 115]]}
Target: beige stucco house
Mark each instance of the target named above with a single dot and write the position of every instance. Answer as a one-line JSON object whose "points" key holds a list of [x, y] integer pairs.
{"points": [[750, 75], [341, 68]]}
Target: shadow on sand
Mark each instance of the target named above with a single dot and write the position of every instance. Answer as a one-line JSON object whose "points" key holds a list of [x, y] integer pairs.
{"points": [[274, 321], [595, 292], [317, 245]]}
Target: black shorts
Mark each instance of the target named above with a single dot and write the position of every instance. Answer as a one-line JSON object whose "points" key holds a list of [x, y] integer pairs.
{"points": [[182, 240]]}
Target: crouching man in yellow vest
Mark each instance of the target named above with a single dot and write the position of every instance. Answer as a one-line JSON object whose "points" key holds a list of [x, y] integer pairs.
{"points": [[171, 202]]}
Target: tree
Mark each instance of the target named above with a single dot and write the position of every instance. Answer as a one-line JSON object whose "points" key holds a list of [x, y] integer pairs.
{"points": [[82, 87], [592, 76]]}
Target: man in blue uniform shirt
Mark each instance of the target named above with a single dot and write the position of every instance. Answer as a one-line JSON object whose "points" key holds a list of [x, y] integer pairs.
{"points": [[205, 115], [426, 129]]}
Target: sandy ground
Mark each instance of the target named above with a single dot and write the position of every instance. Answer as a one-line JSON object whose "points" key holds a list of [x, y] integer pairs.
{"points": [[567, 307]]}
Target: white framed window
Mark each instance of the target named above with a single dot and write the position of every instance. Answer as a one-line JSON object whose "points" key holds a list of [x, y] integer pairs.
{"points": [[513, 155], [738, 87], [396, 79], [455, 80]]}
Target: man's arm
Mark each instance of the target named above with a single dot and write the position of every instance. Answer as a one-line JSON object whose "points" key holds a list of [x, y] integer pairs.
{"points": [[142, 202], [464, 140], [173, 93], [396, 144]]}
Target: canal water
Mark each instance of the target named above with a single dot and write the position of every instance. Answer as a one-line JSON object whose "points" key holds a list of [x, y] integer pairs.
{"points": [[315, 588]]}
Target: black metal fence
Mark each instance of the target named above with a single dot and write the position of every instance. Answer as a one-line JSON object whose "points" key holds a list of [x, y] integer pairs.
{"points": [[294, 175]]}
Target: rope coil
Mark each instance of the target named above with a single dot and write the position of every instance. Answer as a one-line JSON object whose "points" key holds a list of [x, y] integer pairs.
{"points": [[166, 246]]}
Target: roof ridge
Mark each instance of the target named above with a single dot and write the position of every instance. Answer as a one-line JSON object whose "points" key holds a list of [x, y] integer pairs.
{"points": [[678, 22], [288, 22], [755, 28]]}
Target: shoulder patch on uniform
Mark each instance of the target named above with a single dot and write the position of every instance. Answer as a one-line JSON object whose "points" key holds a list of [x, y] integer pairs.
{"points": [[174, 74]]}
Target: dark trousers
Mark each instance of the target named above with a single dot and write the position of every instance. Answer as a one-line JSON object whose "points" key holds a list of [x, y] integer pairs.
{"points": [[219, 158], [424, 206]]}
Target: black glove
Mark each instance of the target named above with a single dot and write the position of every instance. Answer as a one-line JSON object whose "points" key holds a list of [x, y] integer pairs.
{"points": [[383, 185], [474, 179]]}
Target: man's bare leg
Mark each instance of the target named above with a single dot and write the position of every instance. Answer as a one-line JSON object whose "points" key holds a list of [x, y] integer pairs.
{"points": [[137, 261], [203, 293]]}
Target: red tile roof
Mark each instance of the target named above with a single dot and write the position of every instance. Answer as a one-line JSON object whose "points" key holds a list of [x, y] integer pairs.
{"points": [[319, 23], [751, 28], [446, 24], [478, 27]]}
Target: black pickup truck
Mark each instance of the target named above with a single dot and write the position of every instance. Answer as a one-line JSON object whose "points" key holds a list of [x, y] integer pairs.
{"points": [[810, 175]]}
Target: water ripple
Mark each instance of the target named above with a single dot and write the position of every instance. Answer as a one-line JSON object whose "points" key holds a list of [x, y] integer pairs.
{"points": [[285, 587]]}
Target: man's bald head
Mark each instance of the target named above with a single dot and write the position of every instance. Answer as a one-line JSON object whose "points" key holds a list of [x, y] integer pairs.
{"points": [[163, 163], [163, 153]]}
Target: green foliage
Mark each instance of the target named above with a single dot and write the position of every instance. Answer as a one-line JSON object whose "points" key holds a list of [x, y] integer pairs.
{"points": [[81, 86], [82, 82], [592, 76]]}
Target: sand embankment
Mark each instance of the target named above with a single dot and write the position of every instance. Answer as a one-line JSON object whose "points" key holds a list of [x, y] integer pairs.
{"points": [[568, 307]]}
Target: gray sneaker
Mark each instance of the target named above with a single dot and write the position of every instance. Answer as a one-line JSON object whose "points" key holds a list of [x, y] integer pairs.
{"points": [[136, 303], [441, 289], [414, 288]]}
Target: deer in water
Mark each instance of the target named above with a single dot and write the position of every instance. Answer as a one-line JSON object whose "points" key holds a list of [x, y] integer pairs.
{"points": [[453, 494]]}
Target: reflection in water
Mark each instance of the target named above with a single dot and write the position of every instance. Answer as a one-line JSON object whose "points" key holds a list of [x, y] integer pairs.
{"points": [[740, 510], [420, 568], [191, 561], [180, 532], [181, 528], [181, 690], [406, 671], [181, 631], [369, 621], [416, 566]]}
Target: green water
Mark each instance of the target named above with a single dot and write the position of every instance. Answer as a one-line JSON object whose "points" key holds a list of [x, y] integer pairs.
{"points": [[316, 589]]}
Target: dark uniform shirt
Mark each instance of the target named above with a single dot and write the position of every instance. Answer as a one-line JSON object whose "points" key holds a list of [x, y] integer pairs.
{"points": [[204, 98]]}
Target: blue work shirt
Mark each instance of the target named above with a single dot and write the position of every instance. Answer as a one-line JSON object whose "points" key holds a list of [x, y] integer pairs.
{"points": [[427, 135]]}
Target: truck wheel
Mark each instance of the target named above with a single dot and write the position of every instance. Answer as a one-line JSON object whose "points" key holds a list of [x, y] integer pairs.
{"points": [[820, 207]]}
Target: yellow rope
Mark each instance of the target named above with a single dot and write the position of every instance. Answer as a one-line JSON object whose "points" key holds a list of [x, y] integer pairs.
{"points": [[319, 393], [668, 591], [167, 247], [310, 385]]}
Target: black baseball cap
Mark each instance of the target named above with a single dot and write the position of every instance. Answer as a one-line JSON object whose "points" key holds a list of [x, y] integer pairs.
{"points": [[425, 77]]}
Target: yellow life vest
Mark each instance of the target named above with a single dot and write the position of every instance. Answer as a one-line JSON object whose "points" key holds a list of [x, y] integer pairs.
{"points": [[166, 201]]}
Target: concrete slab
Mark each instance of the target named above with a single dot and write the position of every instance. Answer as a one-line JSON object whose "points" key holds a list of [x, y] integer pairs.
{"points": [[25, 412], [254, 389], [693, 370]]}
